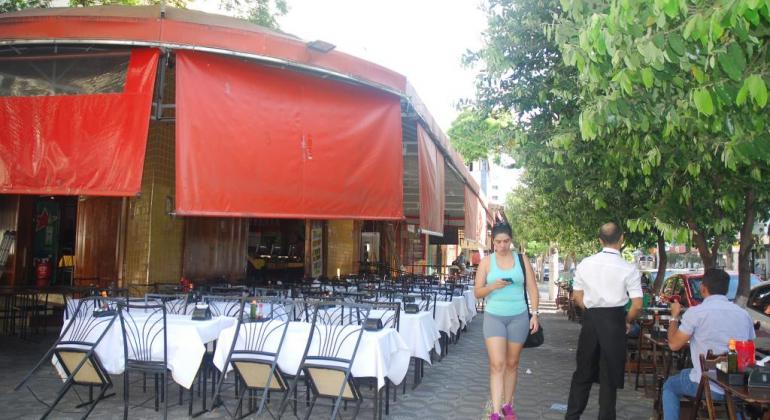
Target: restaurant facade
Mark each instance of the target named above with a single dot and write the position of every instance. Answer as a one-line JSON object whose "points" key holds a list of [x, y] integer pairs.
{"points": [[141, 145]]}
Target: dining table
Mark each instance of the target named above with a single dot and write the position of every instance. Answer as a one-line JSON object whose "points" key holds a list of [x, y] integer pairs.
{"points": [[186, 344], [381, 354]]}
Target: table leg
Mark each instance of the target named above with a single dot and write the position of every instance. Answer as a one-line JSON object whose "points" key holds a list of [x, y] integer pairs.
{"points": [[417, 372], [730, 405]]}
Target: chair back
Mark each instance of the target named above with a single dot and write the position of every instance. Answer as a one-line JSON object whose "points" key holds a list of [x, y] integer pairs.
{"points": [[175, 303], [331, 349], [387, 312], [255, 349], [230, 306], [336, 330], [74, 350], [426, 301], [145, 341]]}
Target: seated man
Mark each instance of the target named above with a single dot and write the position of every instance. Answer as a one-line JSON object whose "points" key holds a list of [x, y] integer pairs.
{"points": [[708, 326]]}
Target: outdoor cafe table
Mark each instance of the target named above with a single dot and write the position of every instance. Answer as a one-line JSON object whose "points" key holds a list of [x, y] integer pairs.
{"points": [[750, 395], [381, 354], [447, 318], [470, 299], [186, 345], [419, 332], [461, 307]]}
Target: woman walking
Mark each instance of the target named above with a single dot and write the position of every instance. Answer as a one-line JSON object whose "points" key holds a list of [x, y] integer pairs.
{"points": [[500, 279]]}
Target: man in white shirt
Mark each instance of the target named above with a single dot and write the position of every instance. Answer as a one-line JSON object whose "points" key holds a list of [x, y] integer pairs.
{"points": [[603, 284], [708, 326]]}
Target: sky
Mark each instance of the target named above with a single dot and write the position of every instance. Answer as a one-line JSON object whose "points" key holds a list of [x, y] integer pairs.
{"points": [[421, 39]]}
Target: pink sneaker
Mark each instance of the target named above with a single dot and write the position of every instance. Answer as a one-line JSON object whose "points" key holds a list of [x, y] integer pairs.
{"points": [[509, 413], [494, 416]]}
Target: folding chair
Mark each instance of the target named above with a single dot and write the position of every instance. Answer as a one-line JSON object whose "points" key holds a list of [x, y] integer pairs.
{"points": [[75, 354], [328, 358], [254, 357]]}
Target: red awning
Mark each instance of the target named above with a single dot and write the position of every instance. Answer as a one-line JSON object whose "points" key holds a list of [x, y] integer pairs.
{"points": [[472, 224], [259, 141], [68, 140], [431, 180]]}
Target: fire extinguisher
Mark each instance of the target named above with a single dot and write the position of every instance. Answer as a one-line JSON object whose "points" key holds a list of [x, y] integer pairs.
{"points": [[42, 271]]}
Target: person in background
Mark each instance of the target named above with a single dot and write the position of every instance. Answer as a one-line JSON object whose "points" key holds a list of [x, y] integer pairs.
{"points": [[501, 280], [603, 284], [708, 326]]}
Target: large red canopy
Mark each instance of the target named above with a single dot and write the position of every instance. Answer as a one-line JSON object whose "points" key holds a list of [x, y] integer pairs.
{"points": [[260, 141], [78, 144], [431, 180]]}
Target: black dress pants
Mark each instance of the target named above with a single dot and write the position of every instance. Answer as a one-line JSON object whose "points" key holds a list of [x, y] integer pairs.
{"points": [[601, 357]]}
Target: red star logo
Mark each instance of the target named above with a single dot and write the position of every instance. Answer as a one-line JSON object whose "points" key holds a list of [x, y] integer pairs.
{"points": [[41, 221]]}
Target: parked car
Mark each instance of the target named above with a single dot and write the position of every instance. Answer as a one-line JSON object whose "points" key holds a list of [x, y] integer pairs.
{"points": [[758, 304], [687, 288]]}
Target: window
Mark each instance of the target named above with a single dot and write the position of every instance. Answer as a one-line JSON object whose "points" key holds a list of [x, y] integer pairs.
{"points": [[494, 197], [494, 187], [51, 71]]}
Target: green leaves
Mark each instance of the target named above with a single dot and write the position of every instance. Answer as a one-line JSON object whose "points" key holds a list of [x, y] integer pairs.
{"points": [[676, 42], [703, 101], [757, 90], [587, 126], [647, 77], [733, 62]]}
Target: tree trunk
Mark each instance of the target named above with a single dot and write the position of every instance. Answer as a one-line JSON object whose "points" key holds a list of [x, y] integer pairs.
{"points": [[709, 259], [746, 244], [662, 262]]}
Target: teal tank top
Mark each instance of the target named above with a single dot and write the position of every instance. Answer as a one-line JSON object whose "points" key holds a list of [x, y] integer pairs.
{"points": [[509, 300]]}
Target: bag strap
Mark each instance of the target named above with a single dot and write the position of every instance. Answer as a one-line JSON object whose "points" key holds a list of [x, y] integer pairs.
{"points": [[524, 271]]}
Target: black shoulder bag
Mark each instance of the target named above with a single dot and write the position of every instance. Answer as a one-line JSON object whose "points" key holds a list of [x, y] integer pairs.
{"points": [[536, 339]]}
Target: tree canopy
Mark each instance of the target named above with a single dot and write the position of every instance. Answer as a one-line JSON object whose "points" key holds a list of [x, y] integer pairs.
{"points": [[648, 112]]}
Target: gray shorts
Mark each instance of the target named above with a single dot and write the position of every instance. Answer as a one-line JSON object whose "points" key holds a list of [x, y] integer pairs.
{"points": [[514, 328]]}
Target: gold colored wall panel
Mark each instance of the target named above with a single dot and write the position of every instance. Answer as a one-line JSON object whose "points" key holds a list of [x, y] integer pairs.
{"points": [[154, 237], [342, 246]]}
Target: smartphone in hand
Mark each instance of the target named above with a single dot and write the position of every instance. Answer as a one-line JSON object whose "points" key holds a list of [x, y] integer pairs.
{"points": [[508, 279]]}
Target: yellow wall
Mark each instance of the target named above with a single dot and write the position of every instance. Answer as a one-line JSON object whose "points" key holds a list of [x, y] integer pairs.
{"points": [[343, 238], [154, 239]]}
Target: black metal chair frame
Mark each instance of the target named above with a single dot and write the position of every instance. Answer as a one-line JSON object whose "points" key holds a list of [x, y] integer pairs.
{"points": [[256, 353], [175, 304], [73, 339], [140, 338], [329, 346]]}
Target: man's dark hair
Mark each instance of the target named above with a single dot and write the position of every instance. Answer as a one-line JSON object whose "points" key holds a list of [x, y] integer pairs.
{"points": [[610, 233], [502, 227], [717, 281]]}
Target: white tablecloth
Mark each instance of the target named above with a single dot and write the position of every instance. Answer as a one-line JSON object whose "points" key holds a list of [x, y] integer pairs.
{"points": [[381, 354], [447, 319], [461, 307], [470, 299], [186, 345], [419, 331]]}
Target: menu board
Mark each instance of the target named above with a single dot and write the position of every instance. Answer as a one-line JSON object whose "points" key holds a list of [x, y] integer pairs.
{"points": [[316, 249]]}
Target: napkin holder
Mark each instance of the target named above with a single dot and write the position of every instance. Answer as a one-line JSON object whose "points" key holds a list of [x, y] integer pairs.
{"points": [[373, 324], [759, 377], [408, 299], [201, 312], [99, 313], [732, 379], [411, 308]]}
